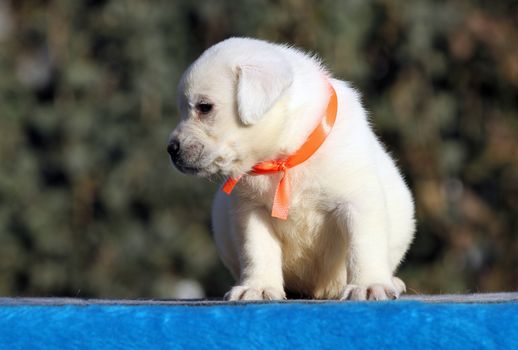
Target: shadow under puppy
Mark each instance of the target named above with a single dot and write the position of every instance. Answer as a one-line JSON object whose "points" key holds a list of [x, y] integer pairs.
{"points": [[327, 216]]}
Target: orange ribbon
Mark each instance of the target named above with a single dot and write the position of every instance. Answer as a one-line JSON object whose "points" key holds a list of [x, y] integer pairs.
{"points": [[281, 201]]}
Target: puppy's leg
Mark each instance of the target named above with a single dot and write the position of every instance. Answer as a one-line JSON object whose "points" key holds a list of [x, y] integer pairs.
{"points": [[366, 226], [260, 259]]}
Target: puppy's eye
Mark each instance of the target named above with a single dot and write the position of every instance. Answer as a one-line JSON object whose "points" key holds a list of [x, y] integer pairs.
{"points": [[204, 107]]}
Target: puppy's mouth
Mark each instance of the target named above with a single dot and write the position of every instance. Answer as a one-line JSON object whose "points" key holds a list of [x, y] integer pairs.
{"points": [[189, 168], [199, 162], [197, 168], [186, 169], [212, 168]]}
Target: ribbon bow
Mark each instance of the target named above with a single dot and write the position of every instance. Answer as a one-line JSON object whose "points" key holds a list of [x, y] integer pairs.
{"points": [[281, 201]]}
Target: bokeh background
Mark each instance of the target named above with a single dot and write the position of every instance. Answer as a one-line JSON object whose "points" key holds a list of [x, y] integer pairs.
{"points": [[91, 207]]}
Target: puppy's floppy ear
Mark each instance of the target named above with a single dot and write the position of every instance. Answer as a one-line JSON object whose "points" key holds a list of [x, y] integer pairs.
{"points": [[261, 81]]}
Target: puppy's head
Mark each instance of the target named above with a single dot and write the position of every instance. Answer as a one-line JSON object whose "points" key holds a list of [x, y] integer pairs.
{"points": [[230, 102]]}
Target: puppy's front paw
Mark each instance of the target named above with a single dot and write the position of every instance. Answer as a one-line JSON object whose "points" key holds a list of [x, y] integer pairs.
{"points": [[253, 293], [374, 291]]}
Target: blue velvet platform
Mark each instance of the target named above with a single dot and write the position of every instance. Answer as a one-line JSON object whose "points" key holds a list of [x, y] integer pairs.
{"points": [[485, 321]]}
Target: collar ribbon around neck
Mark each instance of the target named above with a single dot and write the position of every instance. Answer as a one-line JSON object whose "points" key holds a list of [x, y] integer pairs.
{"points": [[281, 201]]}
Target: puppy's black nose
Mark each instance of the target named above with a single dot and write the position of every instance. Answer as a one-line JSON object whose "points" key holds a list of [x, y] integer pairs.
{"points": [[173, 149]]}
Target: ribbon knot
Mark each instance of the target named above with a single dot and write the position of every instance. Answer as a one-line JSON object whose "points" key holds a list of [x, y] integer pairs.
{"points": [[267, 167], [281, 200]]}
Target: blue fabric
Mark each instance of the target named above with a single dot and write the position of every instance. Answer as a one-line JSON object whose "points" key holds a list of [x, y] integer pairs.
{"points": [[391, 325]]}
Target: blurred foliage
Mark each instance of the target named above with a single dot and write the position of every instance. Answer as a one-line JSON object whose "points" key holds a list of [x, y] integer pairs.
{"points": [[89, 204]]}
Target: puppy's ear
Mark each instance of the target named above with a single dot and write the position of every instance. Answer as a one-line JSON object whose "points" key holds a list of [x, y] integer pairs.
{"points": [[260, 84]]}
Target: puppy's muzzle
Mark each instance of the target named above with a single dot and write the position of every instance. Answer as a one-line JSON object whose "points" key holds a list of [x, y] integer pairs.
{"points": [[185, 157]]}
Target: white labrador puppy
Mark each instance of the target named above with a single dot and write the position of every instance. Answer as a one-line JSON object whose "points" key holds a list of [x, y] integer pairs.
{"points": [[351, 215]]}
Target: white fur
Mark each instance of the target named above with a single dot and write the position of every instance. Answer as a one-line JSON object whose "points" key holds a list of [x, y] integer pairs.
{"points": [[351, 217]]}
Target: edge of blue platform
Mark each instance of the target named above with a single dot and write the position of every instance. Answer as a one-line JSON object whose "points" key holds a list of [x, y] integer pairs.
{"points": [[425, 322]]}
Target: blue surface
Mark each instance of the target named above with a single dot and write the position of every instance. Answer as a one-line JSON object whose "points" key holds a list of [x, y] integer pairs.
{"points": [[391, 325]]}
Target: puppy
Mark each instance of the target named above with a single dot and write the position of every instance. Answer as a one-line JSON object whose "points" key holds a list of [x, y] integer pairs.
{"points": [[346, 214]]}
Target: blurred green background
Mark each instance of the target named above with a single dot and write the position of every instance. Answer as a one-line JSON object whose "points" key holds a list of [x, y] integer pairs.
{"points": [[91, 207]]}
